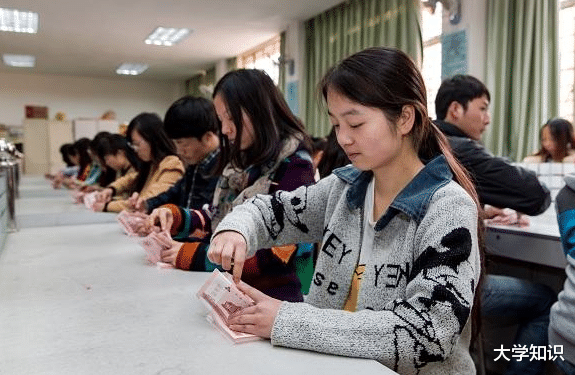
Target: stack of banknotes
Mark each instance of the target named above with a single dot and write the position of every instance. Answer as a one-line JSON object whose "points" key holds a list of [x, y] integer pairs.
{"points": [[78, 196], [90, 199], [222, 298], [152, 244], [131, 222]]}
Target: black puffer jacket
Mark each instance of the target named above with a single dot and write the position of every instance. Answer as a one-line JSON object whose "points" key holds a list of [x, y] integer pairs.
{"points": [[498, 182]]}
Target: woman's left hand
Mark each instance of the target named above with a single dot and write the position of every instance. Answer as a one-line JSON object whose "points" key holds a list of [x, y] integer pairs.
{"points": [[170, 247], [258, 319], [143, 228]]}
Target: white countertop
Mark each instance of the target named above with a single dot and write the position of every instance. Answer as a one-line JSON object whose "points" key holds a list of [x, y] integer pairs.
{"points": [[538, 243], [81, 300], [36, 187], [40, 205], [33, 180]]}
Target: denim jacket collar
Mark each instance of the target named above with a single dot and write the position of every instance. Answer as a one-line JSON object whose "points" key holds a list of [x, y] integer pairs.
{"points": [[413, 200]]}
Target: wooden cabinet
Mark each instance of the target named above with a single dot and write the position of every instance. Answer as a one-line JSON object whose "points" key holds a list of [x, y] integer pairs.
{"points": [[41, 142], [90, 127]]}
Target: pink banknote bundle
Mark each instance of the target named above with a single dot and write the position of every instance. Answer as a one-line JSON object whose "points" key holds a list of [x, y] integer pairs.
{"points": [[153, 247], [90, 199], [131, 222], [78, 196], [222, 298]]}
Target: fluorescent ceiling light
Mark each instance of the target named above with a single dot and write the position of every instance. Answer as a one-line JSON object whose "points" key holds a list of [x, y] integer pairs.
{"points": [[20, 61], [131, 69], [18, 21], [166, 36]]}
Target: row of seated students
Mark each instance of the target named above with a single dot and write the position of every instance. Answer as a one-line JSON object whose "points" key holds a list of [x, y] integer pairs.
{"points": [[92, 164], [398, 270], [81, 170]]}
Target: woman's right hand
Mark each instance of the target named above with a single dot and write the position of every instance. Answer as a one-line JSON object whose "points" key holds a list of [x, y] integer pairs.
{"points": [[229, 249], [142, 227], [136, 203], [105, 195], [98, 206], [161, 217]]}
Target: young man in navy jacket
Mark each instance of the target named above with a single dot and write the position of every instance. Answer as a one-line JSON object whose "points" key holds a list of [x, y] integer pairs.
{"points": [[462, 107]]}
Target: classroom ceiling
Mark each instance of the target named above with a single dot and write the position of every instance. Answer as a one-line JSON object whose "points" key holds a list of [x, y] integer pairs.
{"points": [[92, 38]]}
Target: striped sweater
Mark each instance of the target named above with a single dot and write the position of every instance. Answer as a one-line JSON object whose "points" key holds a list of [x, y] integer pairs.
{"points": [[272, 270]]}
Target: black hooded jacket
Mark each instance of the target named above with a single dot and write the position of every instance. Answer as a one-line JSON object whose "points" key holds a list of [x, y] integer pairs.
{"points": [[498, 182]]}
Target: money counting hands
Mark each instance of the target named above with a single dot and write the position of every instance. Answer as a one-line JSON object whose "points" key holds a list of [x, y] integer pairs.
{"points": [[223, 298]]}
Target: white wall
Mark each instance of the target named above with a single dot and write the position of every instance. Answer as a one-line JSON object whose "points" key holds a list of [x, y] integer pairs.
{"points": [[84, 96]]}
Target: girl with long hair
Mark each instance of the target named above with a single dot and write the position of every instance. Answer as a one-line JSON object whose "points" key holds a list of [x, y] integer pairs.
{"points": [[264, 149], [117, 155], [159, 170], [399, 265], [78, 155], [557, 143]]}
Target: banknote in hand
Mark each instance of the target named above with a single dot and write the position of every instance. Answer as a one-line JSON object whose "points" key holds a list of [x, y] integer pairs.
{"points": [[222, 297], [78, 196], [122, 219], [130, 222], [90, 199], [235, 337], [153, 248]]}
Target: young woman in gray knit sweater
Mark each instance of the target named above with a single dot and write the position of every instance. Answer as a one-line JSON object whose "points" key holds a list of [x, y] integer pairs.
{"points": [[399, 263]]}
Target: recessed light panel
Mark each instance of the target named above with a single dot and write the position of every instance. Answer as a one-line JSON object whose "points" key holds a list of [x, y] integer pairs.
{"points": [[20, 61], [131, 69], [18, 21], [166, 36]]}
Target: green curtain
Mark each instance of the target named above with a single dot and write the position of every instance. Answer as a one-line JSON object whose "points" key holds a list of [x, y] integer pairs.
{"points": [[232, 63], [282, 67], [193, 85], [522, 73], [348, 28], [210, 78]]}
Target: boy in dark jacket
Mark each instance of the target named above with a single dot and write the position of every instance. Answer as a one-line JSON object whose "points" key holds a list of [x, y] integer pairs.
{"points": [[462, 107]]}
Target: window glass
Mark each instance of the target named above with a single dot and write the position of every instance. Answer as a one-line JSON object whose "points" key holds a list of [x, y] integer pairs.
{"points": [[264, 57], [431, 26]]}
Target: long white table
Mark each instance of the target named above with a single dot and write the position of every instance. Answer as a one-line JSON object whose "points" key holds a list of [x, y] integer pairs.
{"points": [[40, 205], [539, 243], [34, 187], [82, 300]]}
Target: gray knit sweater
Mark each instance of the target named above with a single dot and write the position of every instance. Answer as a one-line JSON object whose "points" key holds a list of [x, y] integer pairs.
{"points": [[417, 290]]}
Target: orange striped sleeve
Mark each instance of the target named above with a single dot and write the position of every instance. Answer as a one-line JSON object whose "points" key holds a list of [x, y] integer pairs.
{"points": [[186, 255], [177, 216]]}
